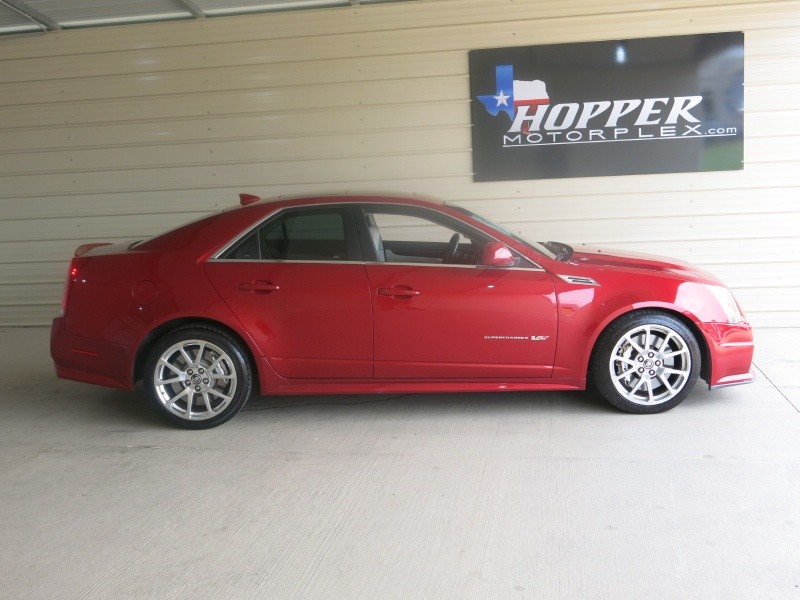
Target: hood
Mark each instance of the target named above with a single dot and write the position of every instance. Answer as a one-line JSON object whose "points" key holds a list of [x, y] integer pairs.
{"points": [[608, 258]]}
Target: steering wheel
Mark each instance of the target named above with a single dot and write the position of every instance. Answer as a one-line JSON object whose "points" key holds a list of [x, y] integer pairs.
{"points": [[452, 248]]}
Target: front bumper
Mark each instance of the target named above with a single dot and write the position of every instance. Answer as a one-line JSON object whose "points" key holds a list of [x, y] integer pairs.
{"points": [[730, 348], [734, 380]]}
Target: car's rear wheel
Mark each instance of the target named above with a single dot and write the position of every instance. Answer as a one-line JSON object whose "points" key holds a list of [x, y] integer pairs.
{"points": [[646, 362], [198, 377]]}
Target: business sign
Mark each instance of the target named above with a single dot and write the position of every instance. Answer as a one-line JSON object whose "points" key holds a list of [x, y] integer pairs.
{"points": [[625, 107]]}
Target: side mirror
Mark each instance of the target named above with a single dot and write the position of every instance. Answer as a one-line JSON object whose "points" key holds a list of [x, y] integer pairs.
{"points": [[496, 254]]}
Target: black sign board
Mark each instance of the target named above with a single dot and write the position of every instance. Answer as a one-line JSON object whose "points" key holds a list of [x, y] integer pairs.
{"points": [[624, 107]]}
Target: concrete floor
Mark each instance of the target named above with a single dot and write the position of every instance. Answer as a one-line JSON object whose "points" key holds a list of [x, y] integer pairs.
{"points": [[549, 495]]}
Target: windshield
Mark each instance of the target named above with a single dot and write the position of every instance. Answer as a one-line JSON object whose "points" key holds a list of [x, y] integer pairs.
{"points": [[553, 250]]}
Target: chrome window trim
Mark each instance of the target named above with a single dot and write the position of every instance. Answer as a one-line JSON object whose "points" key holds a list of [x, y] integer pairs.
{"points": [[216, 256], [452, 265], [371, 263], [277, 260]]}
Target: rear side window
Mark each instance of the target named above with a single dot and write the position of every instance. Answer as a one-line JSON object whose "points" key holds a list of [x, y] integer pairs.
{"points": [[310, 234]]}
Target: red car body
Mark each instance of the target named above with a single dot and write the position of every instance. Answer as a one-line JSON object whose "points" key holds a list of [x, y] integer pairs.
{"points": [[356, 323]]}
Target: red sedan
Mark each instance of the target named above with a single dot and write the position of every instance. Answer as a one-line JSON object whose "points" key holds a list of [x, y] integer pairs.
{"points": [[373, 294]]}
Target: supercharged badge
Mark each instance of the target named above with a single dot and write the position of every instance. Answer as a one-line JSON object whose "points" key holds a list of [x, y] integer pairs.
{"points": [[532, 338]]}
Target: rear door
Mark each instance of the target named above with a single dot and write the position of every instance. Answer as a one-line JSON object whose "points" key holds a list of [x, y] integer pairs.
{"points": [[298, 285]]}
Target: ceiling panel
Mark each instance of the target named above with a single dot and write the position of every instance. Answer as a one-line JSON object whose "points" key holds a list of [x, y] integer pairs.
{"points": [[84, 12], [19, 16], [12, 21], [239, 6]]}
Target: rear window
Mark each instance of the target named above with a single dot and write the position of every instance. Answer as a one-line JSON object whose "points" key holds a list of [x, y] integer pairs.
{"points": [[311, 234]]}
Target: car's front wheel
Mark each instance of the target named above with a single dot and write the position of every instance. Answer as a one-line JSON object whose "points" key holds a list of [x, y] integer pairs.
{"points": [[646, 362], [198, 377]]}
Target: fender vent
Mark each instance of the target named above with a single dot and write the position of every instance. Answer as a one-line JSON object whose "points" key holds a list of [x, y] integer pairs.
{"points": [[579, 280]]}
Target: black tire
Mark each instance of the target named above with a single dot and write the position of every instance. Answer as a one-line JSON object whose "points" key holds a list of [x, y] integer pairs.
{"points": [[646, 362], [198, 377]]}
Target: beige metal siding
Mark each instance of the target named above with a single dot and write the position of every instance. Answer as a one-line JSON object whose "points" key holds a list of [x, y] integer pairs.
{"points": [[119, 133]]}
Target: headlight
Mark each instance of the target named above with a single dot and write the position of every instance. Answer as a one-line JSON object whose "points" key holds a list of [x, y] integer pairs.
{"points": [[728, 304]]}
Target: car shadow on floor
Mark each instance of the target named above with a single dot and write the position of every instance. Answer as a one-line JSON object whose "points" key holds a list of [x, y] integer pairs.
{"points": [[74, 402], [122, 409], [417, 403]]}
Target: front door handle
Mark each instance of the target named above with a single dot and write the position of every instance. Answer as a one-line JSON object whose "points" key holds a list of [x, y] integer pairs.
{"points": [[398, 292], [258, 286]]}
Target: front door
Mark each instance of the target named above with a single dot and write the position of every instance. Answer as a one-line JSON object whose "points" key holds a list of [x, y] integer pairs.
{"points": [[438, 314]]}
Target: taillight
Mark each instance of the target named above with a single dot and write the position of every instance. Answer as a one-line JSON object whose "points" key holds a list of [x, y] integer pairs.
{"points": [[73, 274]]}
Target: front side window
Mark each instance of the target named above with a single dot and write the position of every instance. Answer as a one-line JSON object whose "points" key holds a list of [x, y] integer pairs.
{"points": [[554, 250], [304, 234], [404, 237]]}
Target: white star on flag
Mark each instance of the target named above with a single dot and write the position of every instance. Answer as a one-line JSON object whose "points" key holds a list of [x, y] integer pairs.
{"points": [[502, 98]]}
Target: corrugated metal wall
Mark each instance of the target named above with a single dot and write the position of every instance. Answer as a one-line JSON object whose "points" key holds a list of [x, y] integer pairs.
{"points": [[122, 132]]}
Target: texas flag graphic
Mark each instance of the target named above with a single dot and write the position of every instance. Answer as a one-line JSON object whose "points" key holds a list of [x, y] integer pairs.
{"points": [[512, 93]]}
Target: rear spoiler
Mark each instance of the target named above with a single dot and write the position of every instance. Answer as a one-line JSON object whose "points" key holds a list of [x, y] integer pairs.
{"points": [[81, 250]]}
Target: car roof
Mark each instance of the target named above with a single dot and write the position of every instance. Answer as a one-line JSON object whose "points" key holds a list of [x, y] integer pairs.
{"points": [[232, 220], [347, 198]]}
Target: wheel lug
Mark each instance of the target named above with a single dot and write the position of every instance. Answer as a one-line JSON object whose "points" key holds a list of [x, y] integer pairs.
{"points": [[652, 373], [650, 354], [201, 371], [640, 359], [205, 381], [641, 370], [658, 363], [189, 372], [197, 388]]}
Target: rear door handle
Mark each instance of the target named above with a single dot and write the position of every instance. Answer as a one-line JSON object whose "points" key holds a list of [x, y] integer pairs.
{"points": [[258, 286], [398, 292]]}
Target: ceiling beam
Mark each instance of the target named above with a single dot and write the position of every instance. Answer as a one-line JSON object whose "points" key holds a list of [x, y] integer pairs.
{"points": [[32, 14], [196, 11]]}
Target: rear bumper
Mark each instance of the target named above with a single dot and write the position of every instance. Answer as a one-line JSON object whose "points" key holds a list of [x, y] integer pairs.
{"points": [[89, 360], [731, 353]]}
